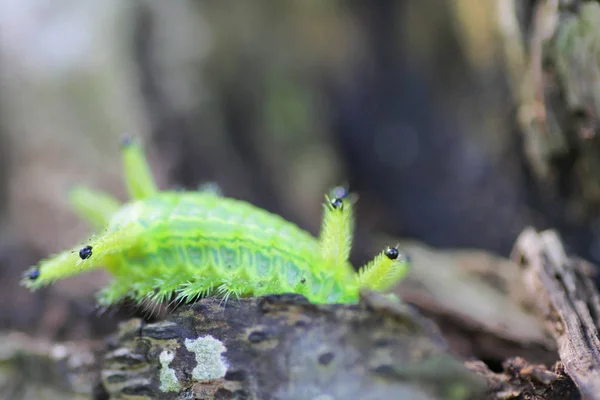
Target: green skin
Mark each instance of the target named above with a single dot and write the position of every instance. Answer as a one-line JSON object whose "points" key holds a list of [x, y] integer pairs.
{"points": [[182, 245]]}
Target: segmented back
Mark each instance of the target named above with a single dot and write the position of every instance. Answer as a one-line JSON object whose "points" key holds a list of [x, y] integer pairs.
{"points": [[223, 240], [203, 217]]}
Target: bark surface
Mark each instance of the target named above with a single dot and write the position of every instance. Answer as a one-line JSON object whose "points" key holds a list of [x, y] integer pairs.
{"points": [[274, 347]]}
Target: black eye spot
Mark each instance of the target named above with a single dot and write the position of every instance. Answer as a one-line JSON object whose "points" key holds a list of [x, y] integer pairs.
{"points": [[337, 203], [392, 253], [34, 274], [85, 252], [303, 280]]}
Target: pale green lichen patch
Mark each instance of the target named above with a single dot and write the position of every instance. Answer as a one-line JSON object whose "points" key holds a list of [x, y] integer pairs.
{"points": [[210, 362], [168, 379]]}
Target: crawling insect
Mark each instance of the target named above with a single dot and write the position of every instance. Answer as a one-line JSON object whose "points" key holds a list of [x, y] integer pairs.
{"points": [[182, 245]]}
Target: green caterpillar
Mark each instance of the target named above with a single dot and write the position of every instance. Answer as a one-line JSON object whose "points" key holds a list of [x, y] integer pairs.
{"points": [[183, 245]]}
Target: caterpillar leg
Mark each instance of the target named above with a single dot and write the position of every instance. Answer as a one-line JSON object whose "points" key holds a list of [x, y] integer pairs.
{"points": [[138, 175], [240, 284], [96, 208], [383, 271], [100, 252], [154, 291], [193, 290], [230, 288], [337, 228]]}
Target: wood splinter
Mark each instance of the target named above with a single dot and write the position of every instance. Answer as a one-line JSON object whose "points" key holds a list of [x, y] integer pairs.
{"points": [[567, 298]]}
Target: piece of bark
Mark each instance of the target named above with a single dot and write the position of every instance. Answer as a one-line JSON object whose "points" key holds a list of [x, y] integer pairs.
{"points": [[479, 302], [283, 347], [35, 368], [522, 380], [552, 54], [274, 347], [568, 299]]}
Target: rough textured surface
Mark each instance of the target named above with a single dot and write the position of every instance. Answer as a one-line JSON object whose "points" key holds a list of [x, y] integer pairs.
{"points": [[479, 301], [522, 380], [32, 368], [569, 302], [282, 347], [274, 347], [558, 107], [565, 296]]}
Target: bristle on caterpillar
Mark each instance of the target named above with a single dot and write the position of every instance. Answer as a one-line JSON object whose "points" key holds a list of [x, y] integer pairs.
{"points": [[171, 247]]}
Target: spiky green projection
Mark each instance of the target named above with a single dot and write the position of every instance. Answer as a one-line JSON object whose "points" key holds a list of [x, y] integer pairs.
{"points": [[179, 246]]}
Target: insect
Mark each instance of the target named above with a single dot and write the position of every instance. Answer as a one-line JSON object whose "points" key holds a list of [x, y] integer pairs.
{"points": [[182, 245]]}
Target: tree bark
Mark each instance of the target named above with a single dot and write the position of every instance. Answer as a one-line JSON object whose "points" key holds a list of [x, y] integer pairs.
{"points": [[566, 297], [274, 347], [569, 302]]}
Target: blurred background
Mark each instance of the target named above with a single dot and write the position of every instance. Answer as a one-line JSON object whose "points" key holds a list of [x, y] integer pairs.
{"points": [[424, 108]]}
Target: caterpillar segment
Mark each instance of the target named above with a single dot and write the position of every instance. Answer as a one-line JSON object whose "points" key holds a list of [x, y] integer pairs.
{"points": [[178, 246]]}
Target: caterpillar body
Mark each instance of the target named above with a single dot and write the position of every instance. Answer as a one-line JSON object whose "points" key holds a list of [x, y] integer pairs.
{"points": [[182, 245]]}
